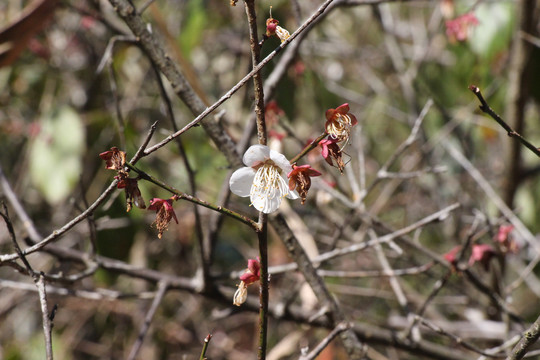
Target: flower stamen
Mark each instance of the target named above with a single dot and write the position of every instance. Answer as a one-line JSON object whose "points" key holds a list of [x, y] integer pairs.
{"points": [[268, 184]]}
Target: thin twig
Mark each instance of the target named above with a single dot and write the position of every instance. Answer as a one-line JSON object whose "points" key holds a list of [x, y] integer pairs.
{"points": [[126, 10], [264, 285], [47, 320], [492, 195], [162, 289], [183, 196], [144, 144], [350, 341], [385, 264], [56, 234], [204, 260], [456, 338], [397, 234], [39, 282], [312, 145], [383, 172], [257, 78], [98, 294], [326, 341], [205, 347], [488, 110], [263, 218]]}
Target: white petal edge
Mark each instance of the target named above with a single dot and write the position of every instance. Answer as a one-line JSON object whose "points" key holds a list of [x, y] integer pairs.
{"points": [[241, 181], [266, 205], [256, 154], [293, 195], [281, 161]]}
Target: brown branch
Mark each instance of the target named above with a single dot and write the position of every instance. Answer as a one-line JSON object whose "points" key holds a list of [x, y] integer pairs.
{"points": [[341, 327], [39, 282], [180, 85], [202, 251], [257, 78], [528, 338], [335, 314], [520, 71], [511, 132], [162, 289], [456, 338]]}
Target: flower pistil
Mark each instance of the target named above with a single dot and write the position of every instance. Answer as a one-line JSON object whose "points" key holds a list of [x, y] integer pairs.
{"points": [[268, 184]]}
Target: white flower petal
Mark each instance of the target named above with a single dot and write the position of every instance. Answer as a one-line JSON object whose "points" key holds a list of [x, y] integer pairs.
{"points": [[265, 204], [241, 181], [281, 161], [293, 195], [256, 154]]}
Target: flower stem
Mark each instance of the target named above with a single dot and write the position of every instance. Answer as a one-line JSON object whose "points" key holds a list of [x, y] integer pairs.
{"points": [[264, 284], [257, 78], [263, 218], [183, 196], [308, 148], [205, 347]]}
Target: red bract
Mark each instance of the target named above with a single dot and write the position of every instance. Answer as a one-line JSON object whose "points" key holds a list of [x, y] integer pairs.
{"points": [[164, 213], [272, 28], [252, 273], [339, 122], [481, 253], [272, 112], [331, 152], [505, 239], [114, 159], [451, 256], [300, 179], [458, 29], [504, 232], [271, 25]]}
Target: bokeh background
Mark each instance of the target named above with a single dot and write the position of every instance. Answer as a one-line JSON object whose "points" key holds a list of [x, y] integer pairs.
{"points": [[80, 85]]}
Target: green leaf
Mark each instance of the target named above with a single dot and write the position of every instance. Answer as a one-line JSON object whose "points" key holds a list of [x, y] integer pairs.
{"points": [[55, 154]]}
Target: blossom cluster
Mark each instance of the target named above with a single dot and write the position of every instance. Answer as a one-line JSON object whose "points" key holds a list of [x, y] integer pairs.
{"points": [[264, 178], [483, 253], [267, 178], [115, 159]]}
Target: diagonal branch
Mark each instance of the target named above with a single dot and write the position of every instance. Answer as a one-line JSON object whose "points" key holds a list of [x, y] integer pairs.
{"points": [[511, 132], [335, 315]]}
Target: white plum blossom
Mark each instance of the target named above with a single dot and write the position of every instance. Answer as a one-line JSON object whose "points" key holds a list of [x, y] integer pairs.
{"points": [[264, 179]]}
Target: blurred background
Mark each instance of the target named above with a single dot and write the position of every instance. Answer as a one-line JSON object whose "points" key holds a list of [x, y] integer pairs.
{"points": [[74, 83]]}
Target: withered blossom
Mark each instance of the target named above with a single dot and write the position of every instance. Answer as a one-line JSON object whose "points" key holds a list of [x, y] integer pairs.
{"points": [[332, 153], [251, 275], [115, 159], [131, 188], [240, 295], [164, 213], [300, 179]]}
